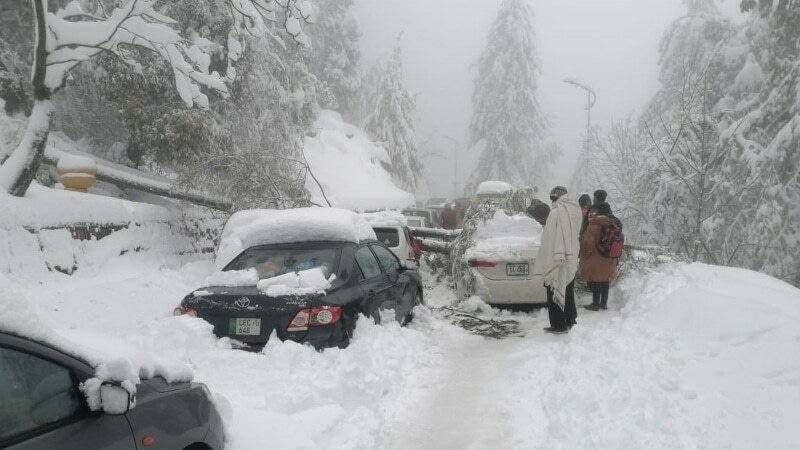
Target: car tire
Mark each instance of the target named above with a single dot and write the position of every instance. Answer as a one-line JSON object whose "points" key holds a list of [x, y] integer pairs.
{"points": [[418, 300]]}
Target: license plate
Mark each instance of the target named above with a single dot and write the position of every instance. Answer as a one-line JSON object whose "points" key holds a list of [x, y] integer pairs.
{"points": [[244, 327], [517, 269]]}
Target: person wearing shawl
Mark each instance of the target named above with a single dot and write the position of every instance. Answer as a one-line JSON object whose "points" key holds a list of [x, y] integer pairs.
{"points": [[557, 261]]}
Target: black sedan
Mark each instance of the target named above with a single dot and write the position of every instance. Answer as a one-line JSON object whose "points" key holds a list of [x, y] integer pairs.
{"points": [[43, 406], [368, 278]]}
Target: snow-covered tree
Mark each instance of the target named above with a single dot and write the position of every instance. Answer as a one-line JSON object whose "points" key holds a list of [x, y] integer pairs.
{"points": [[336, 54], [692, 176], [73, 35], [391, 122], [765, 133], [507, 122]]}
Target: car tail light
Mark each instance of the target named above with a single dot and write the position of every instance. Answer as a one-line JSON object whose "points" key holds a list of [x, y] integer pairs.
{"points": [[315, 317], [184, 311], [481, 263]]}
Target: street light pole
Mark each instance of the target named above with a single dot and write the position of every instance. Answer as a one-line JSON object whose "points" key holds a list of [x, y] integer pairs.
{"points": [[591, 99]]}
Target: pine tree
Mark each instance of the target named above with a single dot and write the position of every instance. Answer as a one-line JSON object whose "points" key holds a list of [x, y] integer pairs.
{"points": [[506, 120], [693, 177], [391, 122], [767, 137], [335, 57]]}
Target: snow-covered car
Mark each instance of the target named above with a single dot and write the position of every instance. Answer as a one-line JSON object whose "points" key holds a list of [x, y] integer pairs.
{"points": [[498, 265], [416, 222], [62, 396], [392, 230], [304, 275], [429, 215], [494, 191]]}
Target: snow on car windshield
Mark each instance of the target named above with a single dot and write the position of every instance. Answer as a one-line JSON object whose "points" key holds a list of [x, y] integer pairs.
{"points": [[503, 237], [269, 262]]}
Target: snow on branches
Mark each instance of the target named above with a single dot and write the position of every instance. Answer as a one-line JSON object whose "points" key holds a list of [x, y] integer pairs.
{"points": [[75, 36]]}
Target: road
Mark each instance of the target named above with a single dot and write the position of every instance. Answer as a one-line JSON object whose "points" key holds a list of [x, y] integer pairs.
{"points": [[611, 383]]}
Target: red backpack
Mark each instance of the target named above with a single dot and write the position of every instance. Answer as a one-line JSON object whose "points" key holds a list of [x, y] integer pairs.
{"points": [[611, 242]]}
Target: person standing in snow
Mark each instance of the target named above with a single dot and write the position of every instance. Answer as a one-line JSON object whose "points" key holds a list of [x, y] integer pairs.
{"points": [[597, 270], [585, 202], [557, 261], [539, 212], [449, 218]]}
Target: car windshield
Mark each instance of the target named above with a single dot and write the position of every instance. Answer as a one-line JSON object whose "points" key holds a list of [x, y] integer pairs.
{"points": [[415, 222], [388, 236], [278, 260]]}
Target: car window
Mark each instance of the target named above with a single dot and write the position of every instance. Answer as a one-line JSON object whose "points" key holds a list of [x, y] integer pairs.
{"points": [[367, 263], [388, 236], [34, 394], [273, 261], [389, 262]]}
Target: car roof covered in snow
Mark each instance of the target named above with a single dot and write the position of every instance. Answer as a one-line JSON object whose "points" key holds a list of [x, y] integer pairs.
{"points": [[494, 187], [253, 227], [112, 358], [385, 219]]}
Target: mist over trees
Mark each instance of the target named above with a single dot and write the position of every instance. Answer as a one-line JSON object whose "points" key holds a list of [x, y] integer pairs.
{"points": [[390, 120], [507, 121], [716, 171]]}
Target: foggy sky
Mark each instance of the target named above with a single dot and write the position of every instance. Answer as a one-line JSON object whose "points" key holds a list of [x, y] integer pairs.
{"points": [[609, 45]]}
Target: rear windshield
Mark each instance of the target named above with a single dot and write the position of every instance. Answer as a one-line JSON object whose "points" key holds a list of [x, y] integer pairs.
{"points": [[388, 236], [417, 213], [414, 222], [273, 261]]}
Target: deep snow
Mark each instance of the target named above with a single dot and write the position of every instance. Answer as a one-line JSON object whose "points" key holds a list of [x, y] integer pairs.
{"points": [[693, 357]]}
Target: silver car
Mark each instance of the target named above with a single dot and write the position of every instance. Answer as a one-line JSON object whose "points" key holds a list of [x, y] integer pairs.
{"points": [[42, 407]]}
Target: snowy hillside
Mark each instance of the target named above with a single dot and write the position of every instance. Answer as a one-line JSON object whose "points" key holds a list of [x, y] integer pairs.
{"points": [[692, 357], [349, 168]]}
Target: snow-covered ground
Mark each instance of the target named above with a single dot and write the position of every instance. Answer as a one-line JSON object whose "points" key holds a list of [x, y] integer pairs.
{"points": [[692, 357]]}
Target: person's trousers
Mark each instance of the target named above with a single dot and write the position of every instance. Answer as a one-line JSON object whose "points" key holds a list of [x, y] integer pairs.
{"points": [[562, 319], [599, 292]]}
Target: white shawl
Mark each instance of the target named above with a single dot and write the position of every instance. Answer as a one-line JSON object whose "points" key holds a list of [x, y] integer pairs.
{"points": [[557, 260]]}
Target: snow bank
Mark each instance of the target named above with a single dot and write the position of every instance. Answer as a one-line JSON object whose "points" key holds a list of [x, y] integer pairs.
{"points": [[504, 238], [385, 219], [349, 168], [43, 207], [253, 227]]}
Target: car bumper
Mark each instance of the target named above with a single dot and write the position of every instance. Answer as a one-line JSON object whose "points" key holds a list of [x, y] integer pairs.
{"points": [[509, 292]]}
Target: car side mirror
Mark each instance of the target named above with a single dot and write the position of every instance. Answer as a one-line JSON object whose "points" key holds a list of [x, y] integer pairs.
{"points": [[115, 399]]}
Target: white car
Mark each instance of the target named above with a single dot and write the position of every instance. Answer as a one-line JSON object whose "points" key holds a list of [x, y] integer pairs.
{"points": [[497, 191], [500, 262], [416, 222], [391, 229]]}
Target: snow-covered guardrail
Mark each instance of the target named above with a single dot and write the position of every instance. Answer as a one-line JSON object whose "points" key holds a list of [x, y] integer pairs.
{"points": [[435, 233], [126, 178]]}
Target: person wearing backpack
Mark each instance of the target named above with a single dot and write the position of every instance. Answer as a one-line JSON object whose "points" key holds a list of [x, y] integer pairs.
{"points": [[600, 249]]}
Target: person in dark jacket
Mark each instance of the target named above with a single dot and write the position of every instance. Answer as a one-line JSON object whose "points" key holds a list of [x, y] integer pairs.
{"points": [[585, 202], [595, 269], [538, 210], [449, 218]]}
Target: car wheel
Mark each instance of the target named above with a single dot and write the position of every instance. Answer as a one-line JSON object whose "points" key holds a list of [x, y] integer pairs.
{"points": [[417, 302]]}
